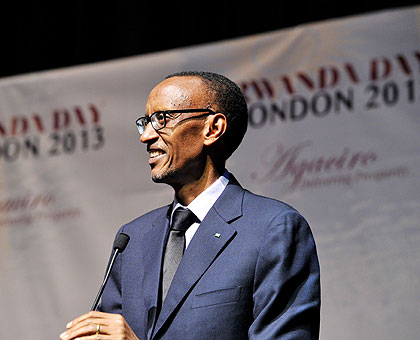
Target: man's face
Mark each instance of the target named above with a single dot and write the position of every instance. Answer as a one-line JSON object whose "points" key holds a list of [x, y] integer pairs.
{"points": [[176, 151]]}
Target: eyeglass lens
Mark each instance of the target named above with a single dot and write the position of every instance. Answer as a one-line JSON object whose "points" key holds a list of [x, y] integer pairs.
{"points": [[158, 119]]}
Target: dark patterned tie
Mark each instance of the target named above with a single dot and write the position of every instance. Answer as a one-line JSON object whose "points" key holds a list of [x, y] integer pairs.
{"points": [[181, 221]]}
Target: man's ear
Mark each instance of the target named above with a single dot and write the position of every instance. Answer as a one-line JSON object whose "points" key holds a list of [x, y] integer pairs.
{"points": [[216, 126]]}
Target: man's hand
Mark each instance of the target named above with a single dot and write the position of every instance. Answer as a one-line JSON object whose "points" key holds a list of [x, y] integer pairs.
{"points": [[98, 325]]}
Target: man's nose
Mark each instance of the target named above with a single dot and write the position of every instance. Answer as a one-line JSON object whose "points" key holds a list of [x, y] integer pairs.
{"points": [[148, 134]]}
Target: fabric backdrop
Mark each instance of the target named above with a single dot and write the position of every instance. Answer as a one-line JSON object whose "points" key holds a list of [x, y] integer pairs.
{"points": [[333, 130]]}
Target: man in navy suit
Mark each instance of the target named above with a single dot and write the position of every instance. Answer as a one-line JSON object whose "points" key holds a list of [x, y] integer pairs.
{"points": [[249, 269]]}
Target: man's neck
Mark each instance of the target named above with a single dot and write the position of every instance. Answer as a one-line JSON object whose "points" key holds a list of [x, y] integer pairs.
{"points": [[186, 193]]}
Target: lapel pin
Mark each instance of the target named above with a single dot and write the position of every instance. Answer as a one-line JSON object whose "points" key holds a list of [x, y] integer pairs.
{"points": [[217, 235]]}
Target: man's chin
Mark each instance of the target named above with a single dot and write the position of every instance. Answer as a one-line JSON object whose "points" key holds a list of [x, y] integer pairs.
{"points": [[157, 179], [164, 177]]}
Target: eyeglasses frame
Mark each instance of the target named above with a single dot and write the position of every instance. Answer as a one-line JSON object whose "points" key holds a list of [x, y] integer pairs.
{"points": [[148, 119]]}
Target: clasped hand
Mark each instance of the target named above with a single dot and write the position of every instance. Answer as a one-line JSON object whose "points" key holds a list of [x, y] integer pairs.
{"points": [[98, 326]]}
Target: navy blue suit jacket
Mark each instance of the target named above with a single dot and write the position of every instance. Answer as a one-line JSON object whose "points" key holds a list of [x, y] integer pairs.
{"points": [[250, 272]]}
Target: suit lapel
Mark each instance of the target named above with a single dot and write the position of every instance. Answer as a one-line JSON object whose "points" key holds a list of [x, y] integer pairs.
{"points": [[154, 243], [213, 235]]}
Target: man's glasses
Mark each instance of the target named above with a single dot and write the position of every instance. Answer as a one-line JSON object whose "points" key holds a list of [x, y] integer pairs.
{"points": [[159, 118]]}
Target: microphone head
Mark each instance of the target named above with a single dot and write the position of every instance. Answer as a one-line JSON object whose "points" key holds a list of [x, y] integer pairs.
{"points": [[121, 242]]}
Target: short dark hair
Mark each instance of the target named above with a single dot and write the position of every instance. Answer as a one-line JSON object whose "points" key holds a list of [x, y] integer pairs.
{"points": [[231, 102]]}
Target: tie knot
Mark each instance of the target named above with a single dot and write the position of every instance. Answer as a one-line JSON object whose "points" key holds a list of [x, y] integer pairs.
{"points": [[182, 219]]}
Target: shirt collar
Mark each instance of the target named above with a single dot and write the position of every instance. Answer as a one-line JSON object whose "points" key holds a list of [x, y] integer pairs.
{"points": [[201, 205]]}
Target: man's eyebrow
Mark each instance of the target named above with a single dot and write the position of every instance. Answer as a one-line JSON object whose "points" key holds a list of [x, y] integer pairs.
{"points": [[148, 114], [172, 114]]}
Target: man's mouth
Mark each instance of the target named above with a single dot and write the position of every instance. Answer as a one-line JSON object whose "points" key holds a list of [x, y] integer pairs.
{"points": [[155, 153]]}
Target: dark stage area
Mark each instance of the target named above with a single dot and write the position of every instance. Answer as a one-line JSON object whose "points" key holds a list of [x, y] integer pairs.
{"points": [[41, 37]]}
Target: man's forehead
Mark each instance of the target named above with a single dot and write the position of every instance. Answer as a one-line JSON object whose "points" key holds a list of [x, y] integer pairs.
{"points": [[178, 91]]}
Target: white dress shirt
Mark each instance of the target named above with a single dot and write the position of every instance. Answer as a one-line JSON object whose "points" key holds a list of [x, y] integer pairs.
{"points": [[201, 205]]}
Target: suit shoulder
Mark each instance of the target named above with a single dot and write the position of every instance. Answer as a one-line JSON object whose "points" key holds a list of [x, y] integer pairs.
{"points": [[265, 203], [268, 210], [146, 219], [274, 217]]}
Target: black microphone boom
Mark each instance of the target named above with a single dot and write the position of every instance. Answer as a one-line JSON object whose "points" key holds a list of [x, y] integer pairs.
{"points": [[119, 245]]}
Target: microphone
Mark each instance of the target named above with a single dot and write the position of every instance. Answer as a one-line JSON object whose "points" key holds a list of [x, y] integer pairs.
{"points": [[119, 245]]}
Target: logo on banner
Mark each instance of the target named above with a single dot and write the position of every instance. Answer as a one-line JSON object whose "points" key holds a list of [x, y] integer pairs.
{"points": [[29, 208], [298, 171], [63, 131], [322, 94]]}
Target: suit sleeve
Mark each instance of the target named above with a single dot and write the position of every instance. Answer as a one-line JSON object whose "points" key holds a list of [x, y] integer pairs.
{"points": [[287, 282]]}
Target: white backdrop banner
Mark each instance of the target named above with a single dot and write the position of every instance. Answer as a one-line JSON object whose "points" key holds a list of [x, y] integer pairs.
{"points": [[333, 130]]}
